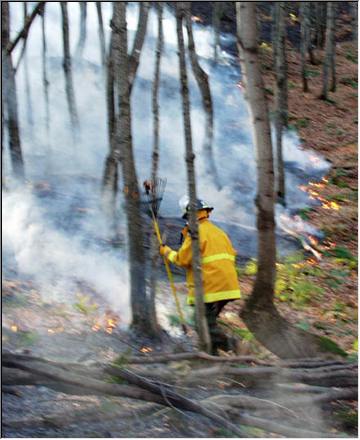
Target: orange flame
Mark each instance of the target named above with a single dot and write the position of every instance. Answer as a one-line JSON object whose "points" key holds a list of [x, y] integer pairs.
{"points": [[146, 349], [196, 19], [14, 328]]}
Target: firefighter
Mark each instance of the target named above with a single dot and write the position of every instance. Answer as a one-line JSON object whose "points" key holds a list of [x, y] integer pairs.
{"points": [[219, 275]]}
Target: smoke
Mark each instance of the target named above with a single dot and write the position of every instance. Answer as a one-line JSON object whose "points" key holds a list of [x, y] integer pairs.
{"points": [[54, 235]]}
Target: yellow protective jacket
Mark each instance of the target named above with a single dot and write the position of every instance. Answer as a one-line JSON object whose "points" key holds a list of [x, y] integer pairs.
{"points": [[218, 263]]}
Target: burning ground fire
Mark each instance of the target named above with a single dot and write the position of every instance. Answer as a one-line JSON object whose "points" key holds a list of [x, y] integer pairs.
{"points": [[108, 322], [311, 189]]}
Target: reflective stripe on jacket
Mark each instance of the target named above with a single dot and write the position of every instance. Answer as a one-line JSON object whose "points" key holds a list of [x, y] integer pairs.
{"points": [[218, 264]]}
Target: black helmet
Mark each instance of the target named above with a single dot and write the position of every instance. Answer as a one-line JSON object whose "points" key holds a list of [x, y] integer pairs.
{"points": [[200, 204]]}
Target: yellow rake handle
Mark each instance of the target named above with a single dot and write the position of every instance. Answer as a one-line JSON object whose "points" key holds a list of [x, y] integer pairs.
{"points": [[170, 276]]}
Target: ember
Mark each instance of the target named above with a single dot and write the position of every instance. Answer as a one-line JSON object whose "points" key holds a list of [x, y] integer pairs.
{"points": [[196, 19], [146, 349]]}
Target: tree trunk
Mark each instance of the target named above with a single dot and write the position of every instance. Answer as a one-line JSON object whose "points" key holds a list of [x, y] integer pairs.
{"points": [[82, 38], [329, 59], [320, 23], [68, 70], [154, 245], [201, 323], [29, 109], [259, 313], [139, 303], [354, 21], [134, 57], [45, 80], [101, 34], [281, 97], [304, 20], [216, 19], [202, 80], [110, 176], [10, 98]]}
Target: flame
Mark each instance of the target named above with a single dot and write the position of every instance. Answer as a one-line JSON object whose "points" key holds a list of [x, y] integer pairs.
{"points": [[50, 331], [146, 349], [14, 328], [313, 240], [303, 188], [196, 19], [325, 180], [330, 205], [107, 322], [311, 261]]}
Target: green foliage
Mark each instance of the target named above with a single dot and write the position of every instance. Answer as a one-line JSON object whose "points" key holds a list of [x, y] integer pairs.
{"points": [[28, 338], [292, 282], [291, 85], [309, 73], [351, 56], [341, 254], [331, 346], [244, 333], [303, 213], [122, 359], [116, 379], [223, 433], [251, 267], [84, 306], [348, 418], [175, 320], [352, 82], [302, 123], [303, 325]]}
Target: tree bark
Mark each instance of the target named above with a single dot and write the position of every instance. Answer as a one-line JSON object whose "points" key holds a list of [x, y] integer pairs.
{"points": [[154, 245], [260, 313], [111, 169], [10, 96], [29, 108], [101, 34], [134, 58], [139, 302], [45, 80], [202, 80], [281, 97], [320, 7], [354, 21], [69, 87], [82, 37], [201, 323], [304, 20], [216, 19], [329, 59]]}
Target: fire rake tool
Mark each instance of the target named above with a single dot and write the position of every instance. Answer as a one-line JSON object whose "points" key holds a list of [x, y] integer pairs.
{"points": [[154, 190]]}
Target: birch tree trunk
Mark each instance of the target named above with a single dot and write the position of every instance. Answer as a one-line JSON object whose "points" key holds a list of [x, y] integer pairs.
{"points": [[260, 313], [45, 80], [101, 34], [139, 303], [10, 97], [281, 97], [82, 37], [202, 80], [329, 59], [134, 59], [201, 323], [29, 108], [304, 43], [154, 246], [69, 87]]}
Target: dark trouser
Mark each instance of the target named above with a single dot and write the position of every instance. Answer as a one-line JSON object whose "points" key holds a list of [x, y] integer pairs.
{"points": [[217, 335]]}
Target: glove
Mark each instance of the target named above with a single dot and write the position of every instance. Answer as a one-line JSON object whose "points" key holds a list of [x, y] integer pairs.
{"points": [[164, 250]]}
